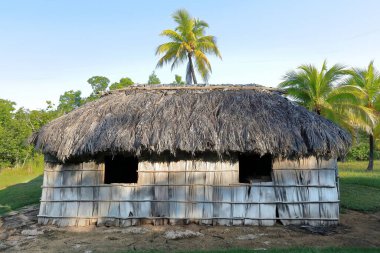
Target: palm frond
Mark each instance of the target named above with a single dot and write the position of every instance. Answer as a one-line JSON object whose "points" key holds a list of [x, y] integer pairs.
{"points": [[170, 54], [173, 35], [202, 64], [163, 48], [207, 44]]}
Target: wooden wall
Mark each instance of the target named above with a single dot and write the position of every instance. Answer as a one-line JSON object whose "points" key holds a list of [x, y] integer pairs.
{"points": [[204, 192], [308, 189]]}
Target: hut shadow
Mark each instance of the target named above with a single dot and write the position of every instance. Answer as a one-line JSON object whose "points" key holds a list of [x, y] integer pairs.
{"points": [[19, 195]]}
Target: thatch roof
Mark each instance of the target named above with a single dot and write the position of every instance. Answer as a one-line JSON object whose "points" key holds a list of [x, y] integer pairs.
{"points": [[221, 120]]}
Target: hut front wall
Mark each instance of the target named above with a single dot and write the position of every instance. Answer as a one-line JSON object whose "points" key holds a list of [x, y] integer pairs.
{"points": [[204, 192]]}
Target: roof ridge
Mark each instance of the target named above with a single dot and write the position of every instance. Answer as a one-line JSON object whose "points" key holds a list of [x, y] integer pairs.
{"points": [[164, 87]]}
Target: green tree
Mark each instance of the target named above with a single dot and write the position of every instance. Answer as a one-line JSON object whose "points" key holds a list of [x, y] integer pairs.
{"points": [[98, 84], [367, 81], [312, 88], [123, 83], [6, 109], [323, 92], [153, 79], [15, 128], [69, 101], [178, 80], [188, 42], [8, 144]]}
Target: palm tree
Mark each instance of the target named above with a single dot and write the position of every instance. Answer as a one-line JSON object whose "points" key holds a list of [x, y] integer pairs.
{"points": [[323, 92], [367, 81], [312, 88], [188, 42]]}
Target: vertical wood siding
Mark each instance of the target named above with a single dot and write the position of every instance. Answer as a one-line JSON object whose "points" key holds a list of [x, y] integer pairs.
{"points": [[205, 192]]}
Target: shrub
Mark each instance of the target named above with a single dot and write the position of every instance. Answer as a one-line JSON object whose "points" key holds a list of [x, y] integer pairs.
{"points": [[360, 152]]}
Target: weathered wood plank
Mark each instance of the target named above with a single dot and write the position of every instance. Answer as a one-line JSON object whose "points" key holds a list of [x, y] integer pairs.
{"points": [[252, 210], [208, 190], [161, 192], [177, 210], [145, 193], [267, 211], [304, 163], [114, 209], [239, 194], [42, 210], [194, 192], [103, 207]]}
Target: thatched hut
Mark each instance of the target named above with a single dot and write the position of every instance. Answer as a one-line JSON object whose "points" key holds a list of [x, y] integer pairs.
{"points": [[231, 155]]}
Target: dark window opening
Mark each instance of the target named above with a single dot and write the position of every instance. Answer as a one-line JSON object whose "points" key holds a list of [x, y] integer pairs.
{"points": [[253, 168], [120, 169]]}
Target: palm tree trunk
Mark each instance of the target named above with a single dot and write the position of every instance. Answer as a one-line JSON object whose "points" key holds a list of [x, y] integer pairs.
{"points": [[317, 110], [371, 147], [189, 77], [192, 68]]}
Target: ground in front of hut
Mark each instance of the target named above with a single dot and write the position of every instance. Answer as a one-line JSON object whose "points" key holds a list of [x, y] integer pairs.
{"points": [[20, 232]]}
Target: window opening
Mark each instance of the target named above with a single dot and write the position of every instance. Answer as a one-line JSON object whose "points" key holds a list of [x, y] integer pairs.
{"points": [[120, 169], [255, 168]]}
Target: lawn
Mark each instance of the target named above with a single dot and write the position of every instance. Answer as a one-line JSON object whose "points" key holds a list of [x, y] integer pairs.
{"points": [[20, 186], [359, 189], [12, 176]]}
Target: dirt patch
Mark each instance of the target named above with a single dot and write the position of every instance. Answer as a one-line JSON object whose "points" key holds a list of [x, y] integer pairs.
{"points": [[20, 232]]}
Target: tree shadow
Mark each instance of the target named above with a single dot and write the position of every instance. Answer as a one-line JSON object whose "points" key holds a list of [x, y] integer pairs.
{"points": [[19, 195]]}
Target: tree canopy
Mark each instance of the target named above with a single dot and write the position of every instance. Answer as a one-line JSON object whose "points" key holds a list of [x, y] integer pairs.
{"points": [[123, 83], [153, 79], [188, 42]]}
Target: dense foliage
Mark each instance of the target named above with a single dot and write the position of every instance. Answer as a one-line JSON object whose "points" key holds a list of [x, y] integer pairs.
{"points": [[15, 128]]}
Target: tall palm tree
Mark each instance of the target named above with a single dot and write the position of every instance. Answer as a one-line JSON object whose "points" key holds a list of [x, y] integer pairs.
{"points": [[323, 92], [367, 81], [188, 42]]}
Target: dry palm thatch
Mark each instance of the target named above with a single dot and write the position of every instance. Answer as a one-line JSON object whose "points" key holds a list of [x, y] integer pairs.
{"points": [[221, 120]]}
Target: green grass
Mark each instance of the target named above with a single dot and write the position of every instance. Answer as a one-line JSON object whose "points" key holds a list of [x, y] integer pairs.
{"points": [[19, 195], [359, 189], [11, 176], [20, 186]]}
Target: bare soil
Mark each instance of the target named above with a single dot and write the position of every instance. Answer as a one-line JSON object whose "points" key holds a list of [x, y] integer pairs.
{"points": [[20, 232]]}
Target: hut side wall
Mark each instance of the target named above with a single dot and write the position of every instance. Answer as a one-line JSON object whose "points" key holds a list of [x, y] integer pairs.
{"points": [[65, 189], [205, 192], [307, 191]]}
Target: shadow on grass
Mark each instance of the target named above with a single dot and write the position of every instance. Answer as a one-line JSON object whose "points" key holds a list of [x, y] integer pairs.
{"points": [[19, 195], [360, 197]]}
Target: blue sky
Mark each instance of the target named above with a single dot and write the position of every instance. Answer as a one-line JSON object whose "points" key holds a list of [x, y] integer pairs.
{"points": [[49, 47]]}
